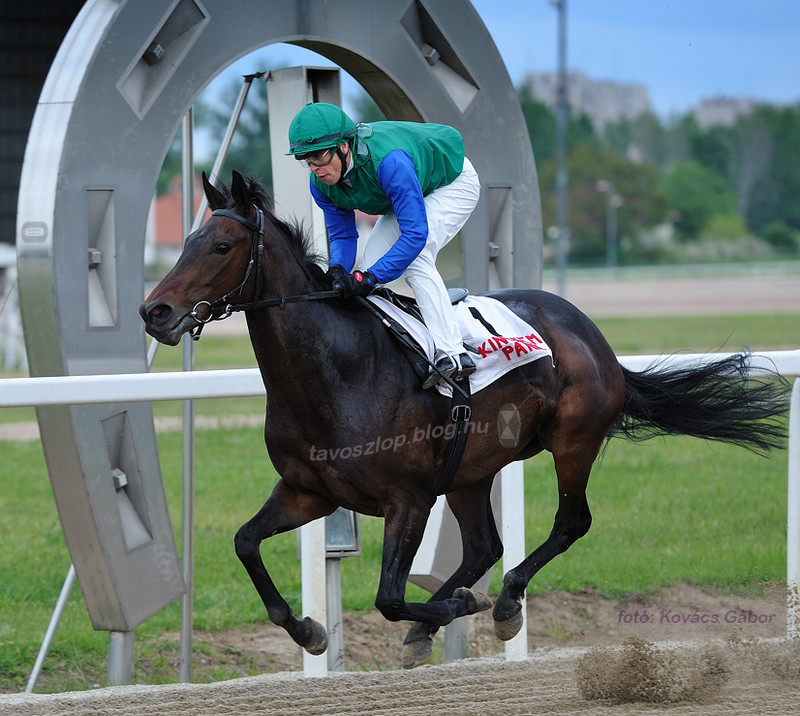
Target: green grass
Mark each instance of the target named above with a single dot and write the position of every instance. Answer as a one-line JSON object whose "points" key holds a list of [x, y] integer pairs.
{"points": [[665, 511], [668, 511], [212, 351], [700, 334]]}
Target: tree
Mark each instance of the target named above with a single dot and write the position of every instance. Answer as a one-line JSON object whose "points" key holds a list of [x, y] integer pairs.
{"points": [[766, 166], [250, 151], [713, 149], [171, 166], [541, 124], [642, 138], [637, 185], [696, 194], [780, 236]]}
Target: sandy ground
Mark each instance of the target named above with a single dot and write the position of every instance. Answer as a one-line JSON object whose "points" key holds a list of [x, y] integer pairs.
{"points": [[683, 296], [710, 678], [683, 651]]}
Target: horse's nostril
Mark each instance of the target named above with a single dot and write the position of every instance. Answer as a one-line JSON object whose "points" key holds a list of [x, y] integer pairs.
{"points": [[155, 313]]}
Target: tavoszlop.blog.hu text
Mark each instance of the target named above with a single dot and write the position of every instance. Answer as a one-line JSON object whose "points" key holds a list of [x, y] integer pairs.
{"points": [[393, 444]]}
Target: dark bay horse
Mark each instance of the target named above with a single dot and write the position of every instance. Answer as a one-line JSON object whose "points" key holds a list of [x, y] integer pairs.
{"points": [[335, 378]]}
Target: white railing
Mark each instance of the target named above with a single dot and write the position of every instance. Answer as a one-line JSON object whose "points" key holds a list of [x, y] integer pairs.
{"points": [[244, 382]]}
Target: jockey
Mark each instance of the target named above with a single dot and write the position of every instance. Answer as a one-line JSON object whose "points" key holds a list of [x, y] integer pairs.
{"points": [[417, 178]]}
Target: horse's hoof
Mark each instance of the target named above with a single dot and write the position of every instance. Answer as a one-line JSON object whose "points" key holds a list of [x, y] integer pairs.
{"points": [[508, 628], [475, 601], [417, 652], [317, 640]]}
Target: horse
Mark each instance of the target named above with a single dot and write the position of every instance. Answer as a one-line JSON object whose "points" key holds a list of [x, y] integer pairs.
{"points": [[335, 377]]}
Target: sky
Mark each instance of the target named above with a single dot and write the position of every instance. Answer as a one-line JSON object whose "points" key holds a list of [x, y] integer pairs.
{"points": [[683, 51]]}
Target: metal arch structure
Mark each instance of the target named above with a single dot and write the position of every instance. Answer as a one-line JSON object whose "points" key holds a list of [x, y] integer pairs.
{"points": [[125, 76]]}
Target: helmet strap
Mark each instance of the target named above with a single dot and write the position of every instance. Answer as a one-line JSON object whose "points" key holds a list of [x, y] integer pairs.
{"points": [[343, 160]]}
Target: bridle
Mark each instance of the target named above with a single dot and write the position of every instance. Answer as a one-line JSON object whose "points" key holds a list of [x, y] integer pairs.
{"points": [[222, 308]]}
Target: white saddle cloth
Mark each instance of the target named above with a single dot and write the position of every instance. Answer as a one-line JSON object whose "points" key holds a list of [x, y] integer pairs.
{"points": [[503, 340]]}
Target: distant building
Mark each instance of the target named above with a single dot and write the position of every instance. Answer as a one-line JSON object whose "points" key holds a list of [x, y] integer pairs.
{"points": [[724, 111], [603, 101]]}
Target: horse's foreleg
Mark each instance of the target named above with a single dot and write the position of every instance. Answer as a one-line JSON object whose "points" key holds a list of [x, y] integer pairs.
{"points": [[403, 530], [286, 509], [481, 548], [572, 521]]}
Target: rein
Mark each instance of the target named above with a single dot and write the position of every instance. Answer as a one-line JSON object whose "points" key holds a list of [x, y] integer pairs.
{"points": [[256, 254]]}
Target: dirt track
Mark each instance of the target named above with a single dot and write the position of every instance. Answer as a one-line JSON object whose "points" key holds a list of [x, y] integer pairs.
{"points": [[684, 296], [761, 679]]}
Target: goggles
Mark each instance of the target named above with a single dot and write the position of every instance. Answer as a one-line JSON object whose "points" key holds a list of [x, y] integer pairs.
{"points": [[317, 159]]}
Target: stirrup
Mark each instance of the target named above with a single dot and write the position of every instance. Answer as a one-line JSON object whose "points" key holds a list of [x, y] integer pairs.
{"points": [[466, 367]]}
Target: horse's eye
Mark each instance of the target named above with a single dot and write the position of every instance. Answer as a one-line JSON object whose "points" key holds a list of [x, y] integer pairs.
{"points": [[222, 249]]}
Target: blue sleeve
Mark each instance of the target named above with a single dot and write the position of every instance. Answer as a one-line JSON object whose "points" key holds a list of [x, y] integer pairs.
{"points": [[398, 179], [342, 232]]}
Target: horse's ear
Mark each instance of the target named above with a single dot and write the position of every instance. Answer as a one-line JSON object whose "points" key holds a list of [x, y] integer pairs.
{"points": [[240, 192], [216, 199]]}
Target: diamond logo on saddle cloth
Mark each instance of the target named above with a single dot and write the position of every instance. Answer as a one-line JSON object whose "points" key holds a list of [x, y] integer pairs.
{"points": [[503, 340]]}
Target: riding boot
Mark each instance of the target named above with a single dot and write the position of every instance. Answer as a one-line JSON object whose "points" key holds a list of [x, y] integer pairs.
{"points": [[445, 365]]}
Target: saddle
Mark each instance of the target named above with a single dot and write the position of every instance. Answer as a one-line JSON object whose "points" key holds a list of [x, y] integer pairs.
{"points": [[408, 304]]}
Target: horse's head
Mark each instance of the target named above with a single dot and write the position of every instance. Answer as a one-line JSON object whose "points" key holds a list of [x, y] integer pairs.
{"points": [[218, 265]]}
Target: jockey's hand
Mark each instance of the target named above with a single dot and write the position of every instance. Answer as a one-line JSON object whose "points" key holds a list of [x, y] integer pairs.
{"points": [[358, 283], [335, 274]]}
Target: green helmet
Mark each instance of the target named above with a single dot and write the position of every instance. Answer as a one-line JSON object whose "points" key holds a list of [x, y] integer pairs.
{"points": [[319, 126]]}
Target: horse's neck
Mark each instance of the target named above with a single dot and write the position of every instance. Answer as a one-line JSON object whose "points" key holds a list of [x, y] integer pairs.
{"points": [[293, 346], [287, 340]]}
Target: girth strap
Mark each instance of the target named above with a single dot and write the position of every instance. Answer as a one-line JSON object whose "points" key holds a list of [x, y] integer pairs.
{"points": [[461, 413]]}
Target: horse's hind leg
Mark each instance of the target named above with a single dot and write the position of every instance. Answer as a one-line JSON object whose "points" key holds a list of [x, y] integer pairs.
{"points": [[481, 548], [286, 509], [572, 521]]}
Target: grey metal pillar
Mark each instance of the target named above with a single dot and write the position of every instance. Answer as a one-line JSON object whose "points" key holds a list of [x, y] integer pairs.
{"points": [[120, 658], [333, 614], [288, 91], [187, 520]]}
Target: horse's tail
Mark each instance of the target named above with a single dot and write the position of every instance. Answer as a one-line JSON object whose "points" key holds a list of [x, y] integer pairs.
{"points": [[715, 401]]}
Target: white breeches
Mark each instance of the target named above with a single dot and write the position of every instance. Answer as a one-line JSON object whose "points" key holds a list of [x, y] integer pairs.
{"points": [[448, 209]]}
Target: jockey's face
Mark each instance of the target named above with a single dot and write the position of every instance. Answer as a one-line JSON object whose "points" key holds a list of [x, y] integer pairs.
{"points": [[331, 172]]}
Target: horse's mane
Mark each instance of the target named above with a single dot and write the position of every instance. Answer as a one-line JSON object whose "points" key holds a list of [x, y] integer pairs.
{"points": [[299, 240]]}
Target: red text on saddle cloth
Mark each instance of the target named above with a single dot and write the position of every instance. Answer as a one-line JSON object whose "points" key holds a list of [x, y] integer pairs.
{"points": [[512, 347]]}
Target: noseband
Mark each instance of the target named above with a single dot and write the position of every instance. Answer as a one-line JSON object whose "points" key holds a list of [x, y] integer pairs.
{"points": [[222, 305]]}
